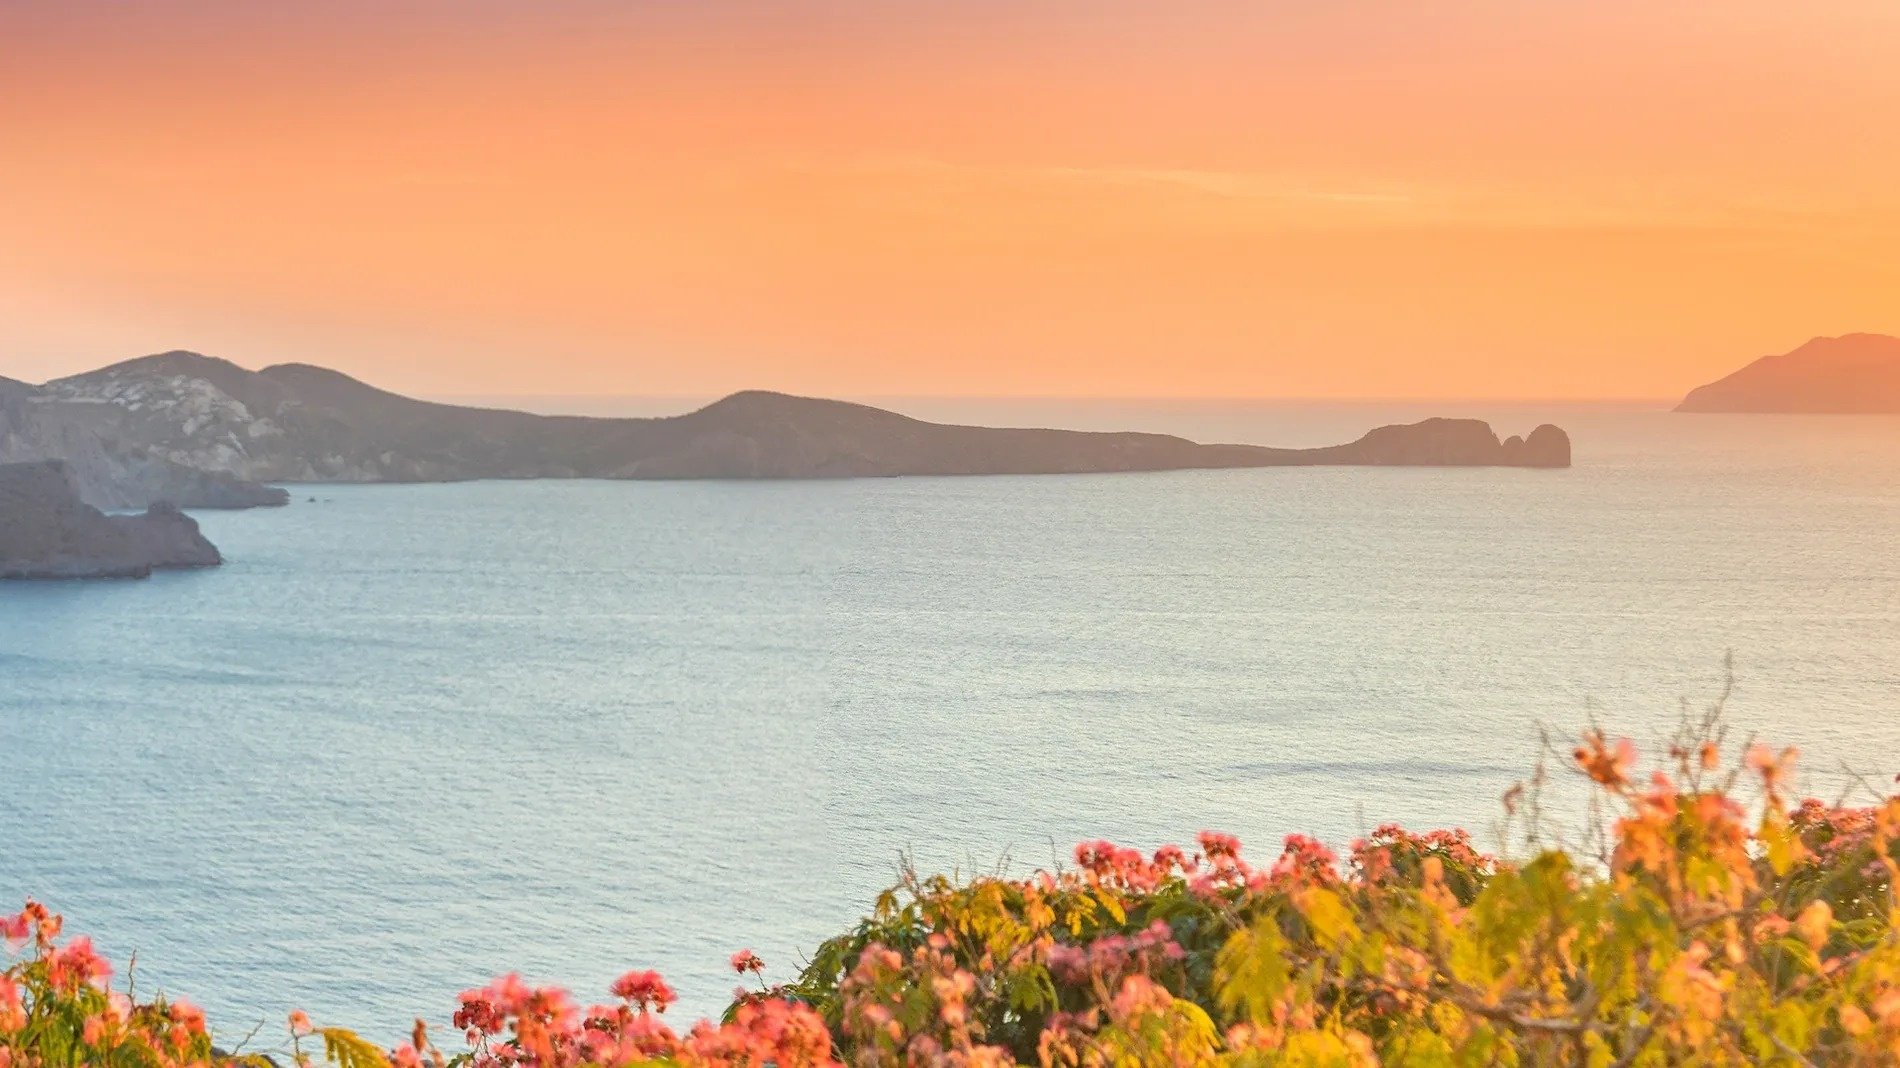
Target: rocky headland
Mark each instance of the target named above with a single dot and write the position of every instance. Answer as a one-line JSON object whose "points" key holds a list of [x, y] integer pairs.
{"points": [[240, 429], [48, 532]]}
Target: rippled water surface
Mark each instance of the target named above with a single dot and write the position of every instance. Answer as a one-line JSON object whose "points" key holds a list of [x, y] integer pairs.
{"points": [[411, 736]]}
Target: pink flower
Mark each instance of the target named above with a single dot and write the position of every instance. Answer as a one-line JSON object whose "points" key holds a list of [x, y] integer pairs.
{"points": [[1215, 846], [1305, 861], [14, 931], [74, 965], [187, 1015], [300, 1023], [1095, 856], [1605, 762], [747, 961], [1774, 768], [645, 990], [12, 1005]]}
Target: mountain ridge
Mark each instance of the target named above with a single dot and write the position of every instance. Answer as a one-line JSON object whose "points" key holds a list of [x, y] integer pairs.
{"points": [[299, 422]]}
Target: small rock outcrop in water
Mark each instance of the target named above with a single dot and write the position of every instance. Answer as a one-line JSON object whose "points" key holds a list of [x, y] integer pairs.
{"points": [[1855, 374], [46, 531], [1447, 443], [1548, 446], [299, 423]]}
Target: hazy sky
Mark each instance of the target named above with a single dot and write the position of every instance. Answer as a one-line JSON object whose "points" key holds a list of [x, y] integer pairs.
{"points": [[1072, 197]]}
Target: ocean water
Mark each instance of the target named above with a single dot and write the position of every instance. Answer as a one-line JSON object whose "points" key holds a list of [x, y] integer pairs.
{"points": [[410, 737]]}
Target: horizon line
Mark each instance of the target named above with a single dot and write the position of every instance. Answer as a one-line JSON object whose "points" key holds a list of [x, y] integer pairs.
{"points": [[1144, 398]]}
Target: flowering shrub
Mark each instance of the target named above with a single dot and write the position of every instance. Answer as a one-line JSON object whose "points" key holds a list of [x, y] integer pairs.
{"points": [[1720, 925], [55, 1008]]}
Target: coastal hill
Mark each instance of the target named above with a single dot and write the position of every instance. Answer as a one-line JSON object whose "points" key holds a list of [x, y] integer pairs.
{"points": [[1850, 374], [46, 531], [300, 423]]}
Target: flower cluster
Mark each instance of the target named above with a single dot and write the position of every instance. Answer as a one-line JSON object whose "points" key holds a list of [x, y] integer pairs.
{"points": [[1721, 925], [1716, 930], [511, 1024], [56, 1007]]}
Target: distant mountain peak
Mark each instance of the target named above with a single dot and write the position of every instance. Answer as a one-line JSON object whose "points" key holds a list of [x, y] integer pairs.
{"points": [[1861, 346], [754, 402], [1886, 340], [1856, 373], [754, 397], [171, 361]]}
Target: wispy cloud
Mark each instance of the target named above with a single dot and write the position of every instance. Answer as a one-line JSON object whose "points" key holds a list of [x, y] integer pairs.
{"points": [[1304, 199], [1235, 185]]}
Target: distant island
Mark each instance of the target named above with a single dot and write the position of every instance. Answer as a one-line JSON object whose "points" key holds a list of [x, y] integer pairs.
{"points": [[1854, 374], [205, 433], [46, 531]]}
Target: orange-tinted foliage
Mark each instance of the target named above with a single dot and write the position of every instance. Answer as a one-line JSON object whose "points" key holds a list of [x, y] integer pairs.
{"points": [[1722, 926]]}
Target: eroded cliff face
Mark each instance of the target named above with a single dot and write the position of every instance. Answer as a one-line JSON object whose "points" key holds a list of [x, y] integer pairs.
{"points": [[301, 423], [47, 531], [108, 469]]}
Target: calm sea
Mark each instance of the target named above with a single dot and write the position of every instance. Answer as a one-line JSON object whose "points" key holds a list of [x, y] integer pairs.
{"points": [[413, 736]]}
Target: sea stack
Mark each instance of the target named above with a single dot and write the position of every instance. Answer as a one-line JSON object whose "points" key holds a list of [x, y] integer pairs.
{"points": [[1547, 446]]}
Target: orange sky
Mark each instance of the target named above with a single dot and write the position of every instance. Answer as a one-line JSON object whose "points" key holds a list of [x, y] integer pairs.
{"points": [[1455, 198]]}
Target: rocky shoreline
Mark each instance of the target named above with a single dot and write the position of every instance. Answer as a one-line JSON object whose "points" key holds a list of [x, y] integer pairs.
{"points": [[48, 532]]}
